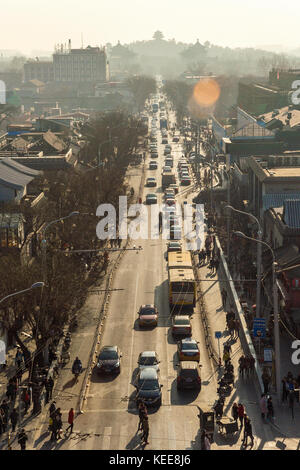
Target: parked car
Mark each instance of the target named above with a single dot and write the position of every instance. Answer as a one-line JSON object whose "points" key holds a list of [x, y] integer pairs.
{"points": [[109, 360], [148, 315], [188, 350], [148, 359], [188, 375], [181, 325], [154, 155], [175, 139], [148, 387], [170, 201], [164, 141]]}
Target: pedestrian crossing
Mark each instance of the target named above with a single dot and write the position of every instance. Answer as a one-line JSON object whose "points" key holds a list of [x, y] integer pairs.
{"points": [[169, 436]]}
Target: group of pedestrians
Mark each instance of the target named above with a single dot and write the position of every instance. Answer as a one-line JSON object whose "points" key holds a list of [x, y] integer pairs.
{"points": [[238, 414], [208, 255], [232, 324], [55, 422], [266, 406], [246, 365], [289, 385], [144, 422]]}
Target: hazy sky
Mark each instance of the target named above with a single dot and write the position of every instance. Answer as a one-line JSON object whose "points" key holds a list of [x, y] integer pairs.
{"points": [[29, 25]]}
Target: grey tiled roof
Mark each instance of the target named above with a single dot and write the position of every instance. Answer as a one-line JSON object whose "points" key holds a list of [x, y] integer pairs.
{"points": [[277, 200], [291, 212]]}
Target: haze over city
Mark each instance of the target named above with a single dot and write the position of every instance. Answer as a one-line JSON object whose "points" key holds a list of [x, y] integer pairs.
{"points": [[31, 25]]}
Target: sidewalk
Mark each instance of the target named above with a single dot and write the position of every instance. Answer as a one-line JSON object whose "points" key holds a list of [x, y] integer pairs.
{"points": [[66, 392]]}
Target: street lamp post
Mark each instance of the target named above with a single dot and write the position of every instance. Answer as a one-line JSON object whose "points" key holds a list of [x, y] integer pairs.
{"points": [[275, 309], [258, 258]]}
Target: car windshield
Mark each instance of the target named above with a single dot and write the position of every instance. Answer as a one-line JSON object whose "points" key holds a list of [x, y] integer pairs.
{"points": [[148, 361], [181, 321], [189, 346], [148, 384], [105, 355], [147, 311]]}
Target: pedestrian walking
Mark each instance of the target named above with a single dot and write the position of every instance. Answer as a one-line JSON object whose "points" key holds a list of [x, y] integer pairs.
{"points": [[22, 438], [70, 420], [263, 405], [19, 375], [231, 327], [19, 358], [207, 253], [284, 393], [202, 439], [5, 408], [216, 264], [241, 413], [266, 381], [242, 365], [270, 409], [142, 414], [247, 431], [235, 412], [2, 425], [226, 357], [26, 400], [14, 416], [200, 257], [11, 390], [224, 297], [145, 430], [237, 325], [52, 408]]}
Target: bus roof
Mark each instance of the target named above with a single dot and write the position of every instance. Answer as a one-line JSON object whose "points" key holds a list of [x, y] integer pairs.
{"points": [[181, 275], [180, 259]]}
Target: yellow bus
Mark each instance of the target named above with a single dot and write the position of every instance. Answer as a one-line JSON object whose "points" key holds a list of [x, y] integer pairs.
{"points": [[180, 259], [182, 285]]}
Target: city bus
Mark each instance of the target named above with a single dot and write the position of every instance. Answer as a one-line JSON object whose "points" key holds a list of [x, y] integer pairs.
{"points": [[182, 285]]}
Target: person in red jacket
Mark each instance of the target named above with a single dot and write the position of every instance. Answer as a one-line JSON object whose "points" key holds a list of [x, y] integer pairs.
{"points": [[70, 420], [241, 414]]}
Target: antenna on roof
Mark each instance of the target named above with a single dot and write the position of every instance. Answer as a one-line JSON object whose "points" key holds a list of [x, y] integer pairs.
{"points": [[81, 40]]}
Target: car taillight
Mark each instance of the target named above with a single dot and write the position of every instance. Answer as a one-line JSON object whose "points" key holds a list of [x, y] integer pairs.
{"points": [[178, 379], [198, 380]]}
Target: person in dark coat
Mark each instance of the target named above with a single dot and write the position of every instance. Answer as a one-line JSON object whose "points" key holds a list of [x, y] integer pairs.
{"points": [[235, 412], [22, 438], [14, 416], [248, 431], [224, 297]]}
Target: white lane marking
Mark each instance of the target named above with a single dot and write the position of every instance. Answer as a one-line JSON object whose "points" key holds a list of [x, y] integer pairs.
{"points": [[187, 434], [133, 331], [123, 438], [106, 438], [171, 436]]}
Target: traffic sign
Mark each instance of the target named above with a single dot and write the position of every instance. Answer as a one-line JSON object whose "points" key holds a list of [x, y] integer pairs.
{"points": [[218, 334], [259, 327], [268, 355]]}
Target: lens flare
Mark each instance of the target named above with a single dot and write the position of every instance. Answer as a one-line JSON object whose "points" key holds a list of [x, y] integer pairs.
{"points": [[206, 92]]}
